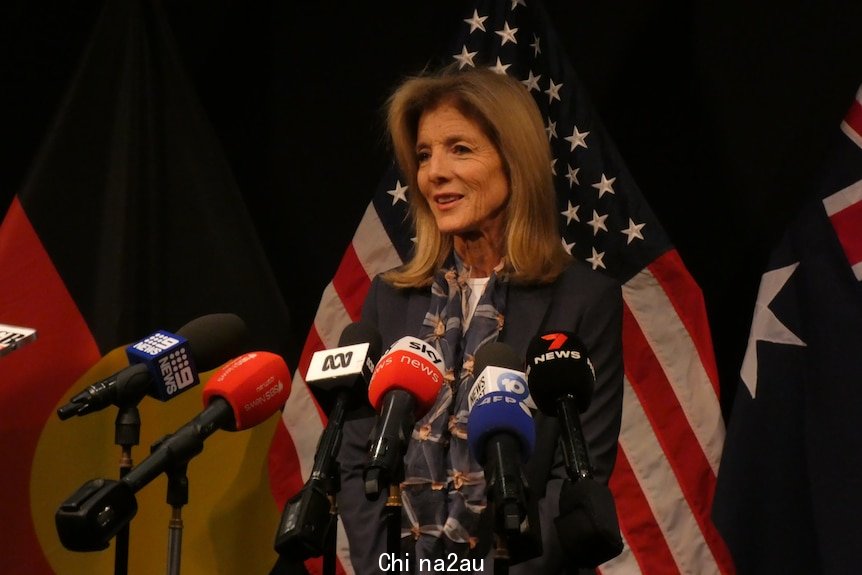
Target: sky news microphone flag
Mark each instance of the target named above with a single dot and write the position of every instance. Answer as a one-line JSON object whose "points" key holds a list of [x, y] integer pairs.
{"points": [[789, 496], [129, 222], [672, 433]]}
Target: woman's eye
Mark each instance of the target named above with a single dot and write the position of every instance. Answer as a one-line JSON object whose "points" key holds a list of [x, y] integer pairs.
{"points": [[460, 149], [422, 157]]}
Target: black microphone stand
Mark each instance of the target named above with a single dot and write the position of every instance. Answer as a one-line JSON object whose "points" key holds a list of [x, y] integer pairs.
{"points": [[501, 556], [331, 535], [392, 512], [573, 446], [127, 434], [309, 521], [178, 495], [126, 392]]}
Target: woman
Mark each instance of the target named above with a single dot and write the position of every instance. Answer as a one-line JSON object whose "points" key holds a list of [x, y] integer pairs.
{"points": [[488, 265]]}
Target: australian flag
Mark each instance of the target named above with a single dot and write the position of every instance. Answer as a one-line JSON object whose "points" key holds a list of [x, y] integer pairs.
{"points": [[789, 492]]}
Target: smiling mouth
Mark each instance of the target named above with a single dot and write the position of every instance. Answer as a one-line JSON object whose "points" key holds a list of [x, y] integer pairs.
{"points": [[447, 199]]}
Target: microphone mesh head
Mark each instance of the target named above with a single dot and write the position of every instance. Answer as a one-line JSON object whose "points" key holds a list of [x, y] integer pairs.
{"points": [[410, 365], [363, 332], [215, 338], [255, 384], [498, 354], [558, 365]]}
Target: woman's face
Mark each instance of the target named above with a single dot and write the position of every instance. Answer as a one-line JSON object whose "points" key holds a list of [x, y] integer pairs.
{"points": [[460, 173]]}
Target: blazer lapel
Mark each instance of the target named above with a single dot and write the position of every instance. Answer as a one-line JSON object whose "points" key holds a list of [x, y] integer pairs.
{"points": [[525, 313]]}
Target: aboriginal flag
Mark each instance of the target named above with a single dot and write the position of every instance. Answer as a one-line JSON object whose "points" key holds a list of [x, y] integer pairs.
{"points": [[129, 221]]}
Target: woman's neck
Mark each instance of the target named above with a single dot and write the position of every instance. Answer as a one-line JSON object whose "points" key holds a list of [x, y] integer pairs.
{"points": [[479, 255]]}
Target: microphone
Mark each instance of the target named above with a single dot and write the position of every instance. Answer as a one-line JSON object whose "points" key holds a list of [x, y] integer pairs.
{"points": [[501, 436], [403, 387], [163, 364], [241, 394], [561, 380], [14, 337], [338, 379]]}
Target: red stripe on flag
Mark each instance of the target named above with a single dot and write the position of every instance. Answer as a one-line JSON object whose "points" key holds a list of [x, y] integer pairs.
{"points": [[637, 523], [678, 441], [313, 343], [285, 478], [687, 299], [847, 227], [351, 283], [33, 295], [853, 119]]}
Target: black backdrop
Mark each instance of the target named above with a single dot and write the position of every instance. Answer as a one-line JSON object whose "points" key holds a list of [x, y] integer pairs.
{"points": [[723, 111]]}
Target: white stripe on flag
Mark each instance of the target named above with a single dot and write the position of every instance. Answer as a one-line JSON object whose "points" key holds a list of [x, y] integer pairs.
{"points": [[666, 334], [303, 423], [661, 490], [331, 317], [854, 136], [375, 256], [843, 199], [623, 564], [342, 549]]}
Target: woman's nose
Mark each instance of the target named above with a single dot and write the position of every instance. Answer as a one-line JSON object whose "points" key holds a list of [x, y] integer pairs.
{"points": [[438, 166]]}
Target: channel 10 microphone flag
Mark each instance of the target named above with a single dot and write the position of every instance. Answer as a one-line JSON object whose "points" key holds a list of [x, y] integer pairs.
{"points": [[128, 222]]}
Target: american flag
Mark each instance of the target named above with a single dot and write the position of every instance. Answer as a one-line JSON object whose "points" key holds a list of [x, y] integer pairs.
{"points": [[672, 431]]}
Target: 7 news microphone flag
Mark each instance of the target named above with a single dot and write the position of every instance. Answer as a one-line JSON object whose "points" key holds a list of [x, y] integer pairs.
{"points": [[129, 221], [672, 429]]}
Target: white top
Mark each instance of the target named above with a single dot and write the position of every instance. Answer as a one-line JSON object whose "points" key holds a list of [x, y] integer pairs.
{"points": [[469, 304]]}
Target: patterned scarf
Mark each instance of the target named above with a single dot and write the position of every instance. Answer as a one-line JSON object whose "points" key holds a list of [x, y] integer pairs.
{"points": [[443, 494]]}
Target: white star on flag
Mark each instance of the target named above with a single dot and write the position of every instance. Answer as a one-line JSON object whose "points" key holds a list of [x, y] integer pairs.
{"points": [[507, 34], [577, 138], [465, 58], [572, 176], [551, 129], [596, 259], [598, 222], [765, 326], [532, 81], [399, 194], [476, 22], [633, 231], [499, 67], [571, 213], [553, 91], [605, 186], [536, 46]]}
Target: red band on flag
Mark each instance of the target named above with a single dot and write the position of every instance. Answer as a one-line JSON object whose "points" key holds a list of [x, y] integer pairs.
{"points": [[687, 298], [62, 352], [853, 119], [637, 522], [846, 224]]}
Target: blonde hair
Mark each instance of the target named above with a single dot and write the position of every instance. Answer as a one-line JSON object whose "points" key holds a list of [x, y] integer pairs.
{"points": [[506, 112]]}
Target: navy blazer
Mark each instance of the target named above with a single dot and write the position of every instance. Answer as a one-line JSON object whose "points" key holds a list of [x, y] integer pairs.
{"points": [[582, 301]]}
